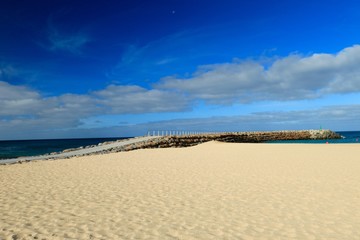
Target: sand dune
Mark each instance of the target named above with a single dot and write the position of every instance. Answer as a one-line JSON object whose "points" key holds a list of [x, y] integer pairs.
{"points": [[210, 191]]}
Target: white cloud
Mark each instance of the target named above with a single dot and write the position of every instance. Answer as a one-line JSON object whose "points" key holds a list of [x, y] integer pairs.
{"points": [[220, 83], [21, 100], [25, 112], [24, 108], [12, 92], [294, 77], [18, 100], [135, 99], [290, 78]]}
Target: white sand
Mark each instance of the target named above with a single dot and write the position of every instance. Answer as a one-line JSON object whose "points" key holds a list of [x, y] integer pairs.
{"points": [[211, 191]]}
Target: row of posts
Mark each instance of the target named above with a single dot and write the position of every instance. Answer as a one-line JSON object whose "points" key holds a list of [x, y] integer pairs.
{"points": [[173, 133]]}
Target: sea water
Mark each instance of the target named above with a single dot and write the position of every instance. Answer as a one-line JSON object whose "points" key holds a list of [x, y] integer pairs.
{"points": [[346, 137], [19, 148]]}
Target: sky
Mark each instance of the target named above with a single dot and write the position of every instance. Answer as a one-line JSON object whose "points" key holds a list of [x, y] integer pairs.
{"points": [[119, 68]]}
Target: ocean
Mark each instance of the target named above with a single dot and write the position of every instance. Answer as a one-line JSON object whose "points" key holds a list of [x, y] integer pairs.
{"points": [[347, 137], [14, 149], [20, 148]]}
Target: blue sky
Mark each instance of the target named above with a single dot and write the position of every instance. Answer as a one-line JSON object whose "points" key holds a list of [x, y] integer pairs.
{"points": [[122, 68]]}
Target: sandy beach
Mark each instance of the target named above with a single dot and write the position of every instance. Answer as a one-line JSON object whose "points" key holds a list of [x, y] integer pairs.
{"points": [[210, 191]]}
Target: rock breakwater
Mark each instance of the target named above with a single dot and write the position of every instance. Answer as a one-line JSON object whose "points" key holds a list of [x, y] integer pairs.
{"points": [[181, 141], [235, 137]]}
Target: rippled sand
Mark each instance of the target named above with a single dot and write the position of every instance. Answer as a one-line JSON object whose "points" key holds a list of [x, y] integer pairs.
{"points": [[210, 191]]}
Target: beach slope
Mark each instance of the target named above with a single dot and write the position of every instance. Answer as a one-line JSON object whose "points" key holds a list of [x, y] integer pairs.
{"points": [[209, 191]]}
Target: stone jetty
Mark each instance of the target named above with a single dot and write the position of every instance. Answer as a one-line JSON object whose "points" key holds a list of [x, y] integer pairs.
{"points": [[176, 141], [235, 137]]}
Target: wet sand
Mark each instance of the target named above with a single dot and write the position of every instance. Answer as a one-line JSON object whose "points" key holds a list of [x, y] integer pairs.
{"points": [[210, 191]]}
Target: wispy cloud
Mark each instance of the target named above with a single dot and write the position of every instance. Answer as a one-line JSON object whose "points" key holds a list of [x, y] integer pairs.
{"points": [[159, 57], [72, 42], [7, 70], [165, 48], [165, 61], [69, 43]]}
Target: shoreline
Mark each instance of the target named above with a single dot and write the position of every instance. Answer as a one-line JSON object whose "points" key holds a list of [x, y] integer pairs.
{"points": [[174, 141], [77, 152]]}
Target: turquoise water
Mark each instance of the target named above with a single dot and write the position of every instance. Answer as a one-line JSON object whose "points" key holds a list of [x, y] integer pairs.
{"points": [[347, 137], [13, 149]]}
